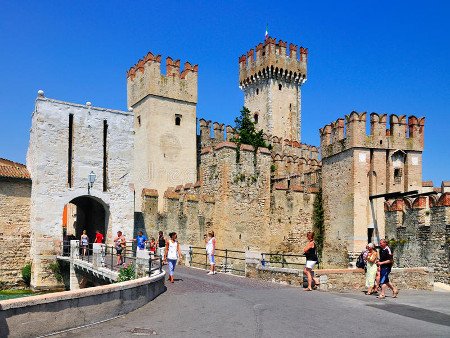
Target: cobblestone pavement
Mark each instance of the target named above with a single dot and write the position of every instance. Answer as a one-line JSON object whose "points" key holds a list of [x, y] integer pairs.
{"points": [[198, 305]]}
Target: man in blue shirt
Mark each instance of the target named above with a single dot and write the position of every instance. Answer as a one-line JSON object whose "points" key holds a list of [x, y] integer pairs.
{"points": [[141, 241]]}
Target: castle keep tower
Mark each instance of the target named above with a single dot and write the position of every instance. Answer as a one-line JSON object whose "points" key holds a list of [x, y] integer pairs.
{"points": [[356, 166], [271, 80], [164, 109]]}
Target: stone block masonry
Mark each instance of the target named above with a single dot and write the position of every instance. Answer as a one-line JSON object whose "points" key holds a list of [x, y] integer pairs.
{"points": [[355, 166], [66, 145], [419, 230], [14, 228]]}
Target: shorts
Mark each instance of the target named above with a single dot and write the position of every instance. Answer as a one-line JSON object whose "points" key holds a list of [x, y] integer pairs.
{"points": [[119, 251], [384, 275], [211, 259], [310, 264]]}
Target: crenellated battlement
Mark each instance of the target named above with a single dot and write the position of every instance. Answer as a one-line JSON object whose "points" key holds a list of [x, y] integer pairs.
{"points": [[350, 132], [271, 60], [145, 78]]}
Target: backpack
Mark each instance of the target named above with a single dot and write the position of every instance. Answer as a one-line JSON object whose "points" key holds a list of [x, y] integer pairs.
{"points": [[360, 263]]}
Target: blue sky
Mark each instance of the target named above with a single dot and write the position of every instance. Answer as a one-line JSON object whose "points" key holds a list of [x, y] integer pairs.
{"points": [[374, 56]]}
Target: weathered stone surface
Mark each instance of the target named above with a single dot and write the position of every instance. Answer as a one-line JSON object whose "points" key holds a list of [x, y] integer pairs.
{"points": [[14, 228], [47, 161]]}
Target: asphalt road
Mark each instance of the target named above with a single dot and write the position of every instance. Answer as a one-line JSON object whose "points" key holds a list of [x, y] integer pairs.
{"points": [[198, 305]]}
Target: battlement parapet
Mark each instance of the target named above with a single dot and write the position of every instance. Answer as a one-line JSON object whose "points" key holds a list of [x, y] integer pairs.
{"points": [[270, 60], [216, 135], [420, 202], [283, 186], [145, 78], [350, 132]]}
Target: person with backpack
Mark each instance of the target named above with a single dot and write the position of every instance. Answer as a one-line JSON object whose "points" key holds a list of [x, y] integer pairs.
{"points": [[310, 251], [361, 261]]}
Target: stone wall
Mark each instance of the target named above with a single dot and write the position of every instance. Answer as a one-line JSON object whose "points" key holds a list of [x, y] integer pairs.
{"points": [[47, 161], [419, 231], [342, 280], [14, 228], [356, 165], [236, 199]]}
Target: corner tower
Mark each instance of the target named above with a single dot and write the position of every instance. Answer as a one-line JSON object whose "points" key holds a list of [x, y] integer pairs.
{"points": [[164, 109], [271, 80]]}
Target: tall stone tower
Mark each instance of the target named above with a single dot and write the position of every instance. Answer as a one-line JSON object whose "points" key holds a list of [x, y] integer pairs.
{"points": [[164, 109], [271, 80], [356, 166]]}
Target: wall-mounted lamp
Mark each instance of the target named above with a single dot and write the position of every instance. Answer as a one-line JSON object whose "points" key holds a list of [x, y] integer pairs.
{"points": [[91, 180]]}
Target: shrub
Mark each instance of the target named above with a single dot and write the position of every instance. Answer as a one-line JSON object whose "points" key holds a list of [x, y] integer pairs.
{"points": [[26, 274], [126, 273], [56, 269]]}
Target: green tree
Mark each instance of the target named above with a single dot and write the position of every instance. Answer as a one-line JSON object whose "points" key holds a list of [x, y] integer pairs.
{"points": [[318, 221], [246, 132]]}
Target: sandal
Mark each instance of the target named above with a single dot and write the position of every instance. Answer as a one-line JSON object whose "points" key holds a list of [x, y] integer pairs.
{"points": [[381, 297], [395, 293], [307, 289]]}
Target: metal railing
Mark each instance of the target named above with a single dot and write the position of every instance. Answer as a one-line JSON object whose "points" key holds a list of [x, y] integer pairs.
{"points": [[226, 260], [283, 260], [109, 256]]}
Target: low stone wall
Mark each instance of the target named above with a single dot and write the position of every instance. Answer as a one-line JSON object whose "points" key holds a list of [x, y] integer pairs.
{"points": [[343, 279], [45, 314]]}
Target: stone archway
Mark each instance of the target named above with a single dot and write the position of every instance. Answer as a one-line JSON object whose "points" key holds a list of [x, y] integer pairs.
{"points": [[85, 213]]}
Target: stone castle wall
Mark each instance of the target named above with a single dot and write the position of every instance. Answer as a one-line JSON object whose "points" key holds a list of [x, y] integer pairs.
{"points": [[356, 165], [420, 233], [14, 228], [47, 162]]}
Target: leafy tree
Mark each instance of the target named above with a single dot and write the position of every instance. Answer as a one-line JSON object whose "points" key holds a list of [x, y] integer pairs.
{"points": [[246, 132], [318, 221]]}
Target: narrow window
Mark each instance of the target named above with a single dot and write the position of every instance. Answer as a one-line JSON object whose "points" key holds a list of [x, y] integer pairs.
{"points": [[398, 175], [105, 156], [256, 118], [369, 235], [280, 86], [70, 153], [139, 120], [290, 106], [257, 91], [178, 119]]}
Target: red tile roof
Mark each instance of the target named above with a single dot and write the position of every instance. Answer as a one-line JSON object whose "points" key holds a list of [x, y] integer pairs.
{"points": [[12, 169]]}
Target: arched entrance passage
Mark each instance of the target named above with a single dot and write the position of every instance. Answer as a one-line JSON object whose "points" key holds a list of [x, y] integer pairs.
{"points": [[85, 213]]}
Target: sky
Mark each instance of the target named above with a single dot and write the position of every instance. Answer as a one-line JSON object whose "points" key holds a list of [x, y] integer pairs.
{"points": [[377, 56]]}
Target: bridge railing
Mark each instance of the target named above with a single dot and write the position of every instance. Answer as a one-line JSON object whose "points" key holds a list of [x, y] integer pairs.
{"points": [[101, 255], [283, 260], [226, 260]]}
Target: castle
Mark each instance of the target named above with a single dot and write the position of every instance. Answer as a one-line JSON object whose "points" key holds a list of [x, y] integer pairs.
{"points": [[153, 172]]}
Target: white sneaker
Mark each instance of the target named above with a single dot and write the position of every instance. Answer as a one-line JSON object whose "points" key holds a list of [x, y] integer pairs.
{"points": [[214, 272], [210, 273]]}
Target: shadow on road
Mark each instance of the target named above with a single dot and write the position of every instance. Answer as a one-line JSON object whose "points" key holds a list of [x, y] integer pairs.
{"points": [[429, 316]]}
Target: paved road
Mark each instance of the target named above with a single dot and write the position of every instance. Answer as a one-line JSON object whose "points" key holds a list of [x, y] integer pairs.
{"points": [[197, 305]]}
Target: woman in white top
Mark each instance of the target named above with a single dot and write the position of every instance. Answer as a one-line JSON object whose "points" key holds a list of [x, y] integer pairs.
{"points": [[84, 242], [211, 250], [172, 253]]}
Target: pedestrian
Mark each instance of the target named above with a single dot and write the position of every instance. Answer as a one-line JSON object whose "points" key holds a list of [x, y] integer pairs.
{"points": [[141, 241], [371, 268], [385, 263], [211, 250], [152, 246], [98, 237], [84, 242], [172, 253], [120, 244], [161, 244], [310, 251]]}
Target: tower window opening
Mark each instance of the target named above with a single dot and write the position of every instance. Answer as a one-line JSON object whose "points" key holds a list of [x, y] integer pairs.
{"points": [[290, 106], [398, 175], [70, 153], [105, 155], [255, 117], [257, 91], [139, 121], [178, 119], [280, 86]]}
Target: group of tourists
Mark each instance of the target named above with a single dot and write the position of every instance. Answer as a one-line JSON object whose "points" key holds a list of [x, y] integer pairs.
{"points": [[378, 267]]}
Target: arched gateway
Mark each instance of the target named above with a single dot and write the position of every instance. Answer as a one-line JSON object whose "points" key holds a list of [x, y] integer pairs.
{"points": [[80, 161]]}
